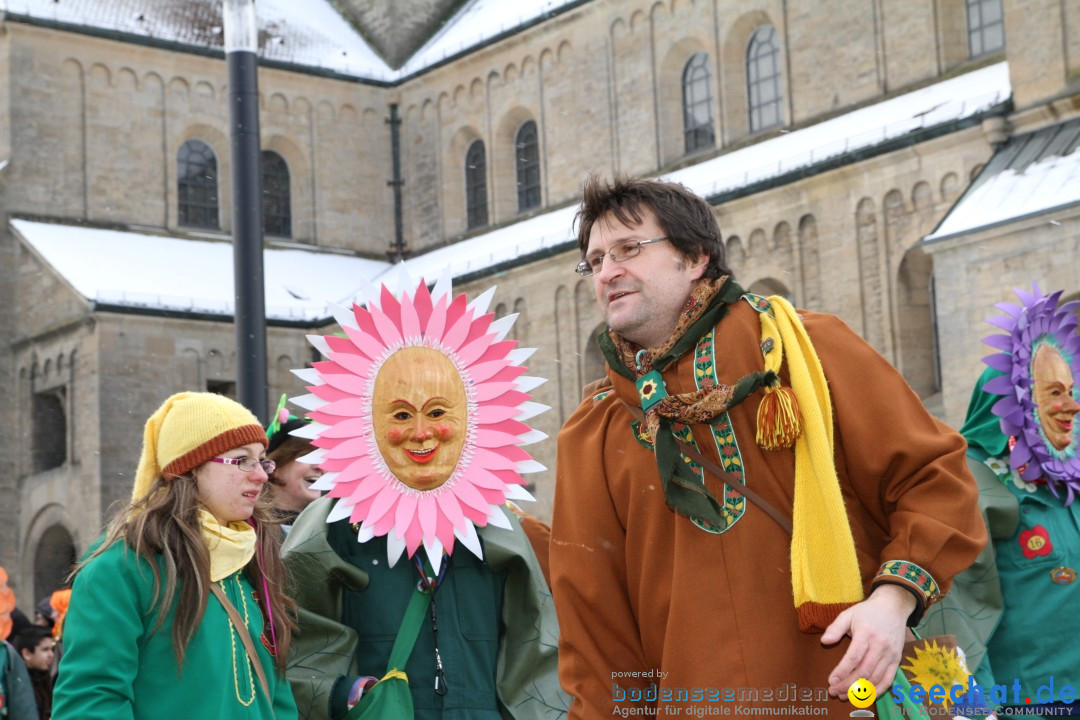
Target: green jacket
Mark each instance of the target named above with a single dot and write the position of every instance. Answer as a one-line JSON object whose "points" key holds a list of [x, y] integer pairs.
{"points": [[492, 615], [116, 667], [16, 691]]}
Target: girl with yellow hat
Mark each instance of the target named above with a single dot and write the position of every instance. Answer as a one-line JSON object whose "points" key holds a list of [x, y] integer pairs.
{"points": [[179, 612]]}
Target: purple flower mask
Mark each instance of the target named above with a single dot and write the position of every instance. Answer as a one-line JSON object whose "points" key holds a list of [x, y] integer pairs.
{"points": [[1040, 358]]}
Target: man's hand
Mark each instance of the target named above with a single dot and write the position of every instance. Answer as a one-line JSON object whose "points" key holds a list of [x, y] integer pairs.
{"points": [[877, 628]]}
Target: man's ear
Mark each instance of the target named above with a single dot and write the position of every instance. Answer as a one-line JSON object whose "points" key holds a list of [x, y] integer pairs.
{"points": [[698, 265]]}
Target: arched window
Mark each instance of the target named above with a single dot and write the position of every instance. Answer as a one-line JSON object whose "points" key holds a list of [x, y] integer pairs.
{"points": [[196, 171], [276, 210], [527, 154], [476, 210], [763, 78], [986, 27], [697, 104]]}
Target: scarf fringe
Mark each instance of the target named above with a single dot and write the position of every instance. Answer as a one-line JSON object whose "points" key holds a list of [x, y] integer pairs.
{"points": [[778, 420]]}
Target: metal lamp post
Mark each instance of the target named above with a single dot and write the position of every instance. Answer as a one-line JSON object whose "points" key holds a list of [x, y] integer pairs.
{"points": [[241, 47]]}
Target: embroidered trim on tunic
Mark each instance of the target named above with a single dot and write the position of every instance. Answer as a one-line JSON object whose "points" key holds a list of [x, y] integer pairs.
{"points": [[912, 575]]}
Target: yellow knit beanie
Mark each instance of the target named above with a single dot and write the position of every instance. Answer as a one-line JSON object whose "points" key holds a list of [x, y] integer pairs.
{"points": [[187, 430]]}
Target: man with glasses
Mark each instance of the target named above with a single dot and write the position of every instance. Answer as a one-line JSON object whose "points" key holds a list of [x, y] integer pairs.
{"points": [[676, 584]]}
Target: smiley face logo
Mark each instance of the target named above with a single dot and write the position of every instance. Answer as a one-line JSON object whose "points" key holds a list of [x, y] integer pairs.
{"points": [[862, 693]]}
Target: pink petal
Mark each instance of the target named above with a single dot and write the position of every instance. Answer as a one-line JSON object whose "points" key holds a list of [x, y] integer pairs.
{"points": [[437, 324], [470, 496], [422, 302], [508, 373], [488, 414], [352, 427], [354, 447], [388, 329], [357, 469], [339, 344], [445, 531], [329, 393], [413, 536], [451, 509], [352, 384], [511, 427], [482, 372], [510, 477], [365, 342], [490, 391], [350, 407], [428, 513], [479, 327], [410, 322], [492, 460], [493, 438], [389, 306], [384, 524], [499, 350], [366, 489], [455, 336], [456, 310], [405, 513], [352, 362], [483, 478], [493, 496], [343, 489], [383, 505], [472, 351]]}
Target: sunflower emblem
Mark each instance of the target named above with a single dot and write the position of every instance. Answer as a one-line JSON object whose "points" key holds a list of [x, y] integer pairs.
{"points": [[651, 389], [935, 664]]}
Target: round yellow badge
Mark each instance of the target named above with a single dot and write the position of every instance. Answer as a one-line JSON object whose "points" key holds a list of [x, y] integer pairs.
{"points": [[862, 693]]}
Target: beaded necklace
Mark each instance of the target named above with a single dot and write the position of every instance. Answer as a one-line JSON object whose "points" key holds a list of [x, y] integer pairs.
{"points": [[232, 641]]}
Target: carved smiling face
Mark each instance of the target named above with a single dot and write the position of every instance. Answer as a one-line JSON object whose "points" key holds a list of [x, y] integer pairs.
{"points": [[1052, 392], [420, 415]]}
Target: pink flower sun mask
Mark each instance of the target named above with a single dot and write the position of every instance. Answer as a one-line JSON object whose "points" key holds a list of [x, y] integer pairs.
{"points": [[418, 414]]}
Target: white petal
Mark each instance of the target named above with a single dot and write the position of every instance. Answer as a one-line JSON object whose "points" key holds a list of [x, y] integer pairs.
{"points": [[309, 375], [525, 383], [518, 492], [470, 540], [340, 511], [533, 436], [365, 534], [319, 343], [498, 519], [309, 401], [518, 356], [370, 293], [394, 547], [523, 467], [444, 286], [403, 280], [479, 306], [502, 326], [315, 457], [434, 551], [309, 430], [344, 316], [325, 483], [530, 410]]}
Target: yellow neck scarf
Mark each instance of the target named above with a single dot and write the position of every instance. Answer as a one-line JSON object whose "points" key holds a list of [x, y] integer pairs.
{"points": [[231, 546]]}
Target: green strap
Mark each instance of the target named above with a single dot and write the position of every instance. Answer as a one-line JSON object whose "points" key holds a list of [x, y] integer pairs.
{"points": [[409, 630]]}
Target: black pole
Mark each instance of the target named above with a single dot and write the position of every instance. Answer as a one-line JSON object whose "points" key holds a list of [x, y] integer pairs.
{"points": [[397, 252], [242, 67]]}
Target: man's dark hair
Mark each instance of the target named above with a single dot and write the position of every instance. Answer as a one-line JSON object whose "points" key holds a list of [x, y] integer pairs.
{"points": [[29, 638], [687, 220]]}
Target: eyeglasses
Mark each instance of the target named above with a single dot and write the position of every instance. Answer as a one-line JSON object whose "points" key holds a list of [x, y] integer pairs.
{"points": [[247, 464], [619, 253]]}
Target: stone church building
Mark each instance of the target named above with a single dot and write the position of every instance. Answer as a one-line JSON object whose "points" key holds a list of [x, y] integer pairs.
{"points": [[900, 164]]}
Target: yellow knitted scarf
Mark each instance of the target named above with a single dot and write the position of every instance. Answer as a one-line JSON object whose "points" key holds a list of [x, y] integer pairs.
{"points": [[825, 577]]}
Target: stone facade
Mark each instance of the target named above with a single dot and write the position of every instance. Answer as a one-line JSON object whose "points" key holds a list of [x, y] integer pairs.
{"points": [[90, 127]]}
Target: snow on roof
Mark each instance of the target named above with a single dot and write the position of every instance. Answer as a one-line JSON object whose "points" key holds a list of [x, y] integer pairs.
{"points": [[178, 274], [476, 22], [306, 33], [499, 246], [943, 102], [1032, 174], [949, 100], [310, 33]]}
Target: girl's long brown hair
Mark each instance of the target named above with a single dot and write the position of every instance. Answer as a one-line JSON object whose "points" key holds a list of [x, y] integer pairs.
{"points": [[165, 524]]}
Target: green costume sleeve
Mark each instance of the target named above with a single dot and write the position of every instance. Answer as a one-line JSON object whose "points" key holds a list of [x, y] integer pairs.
{"points": [[323, 649], [972, 609], [528, 682], [97, 673]]}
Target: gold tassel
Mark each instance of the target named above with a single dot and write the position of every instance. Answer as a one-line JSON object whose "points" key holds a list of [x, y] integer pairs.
{"points": [[778, 422]]}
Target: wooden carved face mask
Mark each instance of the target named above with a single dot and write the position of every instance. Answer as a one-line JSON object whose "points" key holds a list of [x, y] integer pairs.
{"points": [[1053, 388], [418, 416], [1039, 358], [419, 413]]}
